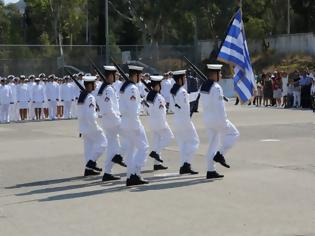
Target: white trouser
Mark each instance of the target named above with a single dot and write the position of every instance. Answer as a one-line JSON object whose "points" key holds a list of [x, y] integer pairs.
{"points": [[13, 112], [94, 145], [220, 140], [161, 139], [74, 109], [188, 142], [297, 98], [52, 109], [31, 111], [67, 109], [112, 135], [136, 145], [4, 112]]}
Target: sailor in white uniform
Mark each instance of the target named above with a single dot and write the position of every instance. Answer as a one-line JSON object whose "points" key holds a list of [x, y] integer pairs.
{"points": [[184, 130], [95, 142], [161, 132], [23, 97], [38, 98], [110, 121], [53, 95], [31, 83], [67, 96], [222, 134], [132, 128], [6, 98], [13, 107]]}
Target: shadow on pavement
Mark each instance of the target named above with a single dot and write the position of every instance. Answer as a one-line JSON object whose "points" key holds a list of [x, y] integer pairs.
{"points": [[159, 186], [46, 182]]}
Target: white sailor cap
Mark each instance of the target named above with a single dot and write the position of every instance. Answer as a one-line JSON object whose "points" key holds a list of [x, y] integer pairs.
{"points": [[214, 66], [156, 78], [135, 68], [89, 78], [37, 79], [110, 68], [179, 72]]}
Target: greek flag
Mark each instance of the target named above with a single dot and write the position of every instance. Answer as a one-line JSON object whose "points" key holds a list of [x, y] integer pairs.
{"points": [[234, 51]]}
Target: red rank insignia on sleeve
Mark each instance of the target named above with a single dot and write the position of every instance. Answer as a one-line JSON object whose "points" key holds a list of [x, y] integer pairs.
{"points": [[132, 98], [107, 99], [91, 105]]}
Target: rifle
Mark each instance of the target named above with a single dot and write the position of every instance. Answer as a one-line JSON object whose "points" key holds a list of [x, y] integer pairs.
{"points": [[75, 81], [126, 78], [201, 75], [121, 72], [97, 70]]}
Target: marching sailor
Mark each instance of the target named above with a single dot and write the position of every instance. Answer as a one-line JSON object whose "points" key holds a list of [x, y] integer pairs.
{"points": [[93, 136], [132, 129], [109, 111], [222, 134], [185, 132], [161, 132]]}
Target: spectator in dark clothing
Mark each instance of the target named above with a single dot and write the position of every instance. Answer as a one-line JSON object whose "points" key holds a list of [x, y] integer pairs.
{"points": [[305, 83]]}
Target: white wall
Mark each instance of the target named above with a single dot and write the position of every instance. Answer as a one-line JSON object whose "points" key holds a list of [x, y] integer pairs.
{"points": [[292, 43]]}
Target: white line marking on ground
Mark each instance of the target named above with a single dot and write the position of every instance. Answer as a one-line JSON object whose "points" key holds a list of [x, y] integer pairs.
{"points": [[270, 140], [167, 175]]}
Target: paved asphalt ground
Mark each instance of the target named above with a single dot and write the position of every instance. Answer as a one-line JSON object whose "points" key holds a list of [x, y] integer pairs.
{"points": [[270, 189]]}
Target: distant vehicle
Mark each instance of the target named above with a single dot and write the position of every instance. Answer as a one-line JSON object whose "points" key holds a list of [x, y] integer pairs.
{"points": [[72, 69]]}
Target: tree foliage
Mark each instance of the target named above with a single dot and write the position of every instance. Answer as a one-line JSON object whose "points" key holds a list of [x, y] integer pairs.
{"points": [[147, 21]]}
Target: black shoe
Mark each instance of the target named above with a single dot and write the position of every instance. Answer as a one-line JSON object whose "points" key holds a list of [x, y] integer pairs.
{"points": [[220, 159], [88, 172], [159, 167], [186, 169], [109, 177], [156, 156], [213, 175], [118, 159], [91, 165], [135, 180]]}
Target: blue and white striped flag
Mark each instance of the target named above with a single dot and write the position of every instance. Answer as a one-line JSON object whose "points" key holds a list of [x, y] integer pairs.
{"points": [[234, 51]]}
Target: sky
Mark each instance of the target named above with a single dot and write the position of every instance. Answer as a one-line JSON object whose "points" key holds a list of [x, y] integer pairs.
{"points": [[10, 1]]}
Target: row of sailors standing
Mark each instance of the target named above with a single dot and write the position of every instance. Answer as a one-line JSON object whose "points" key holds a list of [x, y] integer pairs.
{"points": [[122, 133], [36, 98]]}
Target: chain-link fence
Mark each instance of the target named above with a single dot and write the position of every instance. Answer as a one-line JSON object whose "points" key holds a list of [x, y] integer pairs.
{"points": [[34, 59]]}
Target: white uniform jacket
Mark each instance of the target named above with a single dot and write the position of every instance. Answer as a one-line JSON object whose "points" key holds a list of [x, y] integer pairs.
{"points": [[109, 107], [52, 91], [130, 106], [87, 115], [179, 103], [211, 97], [38, 93], [6, 96], [157, 111]]}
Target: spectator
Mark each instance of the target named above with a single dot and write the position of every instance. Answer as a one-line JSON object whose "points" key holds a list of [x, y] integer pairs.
{"points": [[259, 94], [290, 97], [305, 83], [313, 93], [285, 83], [297, 91], [277, 89], [267, 88]]}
